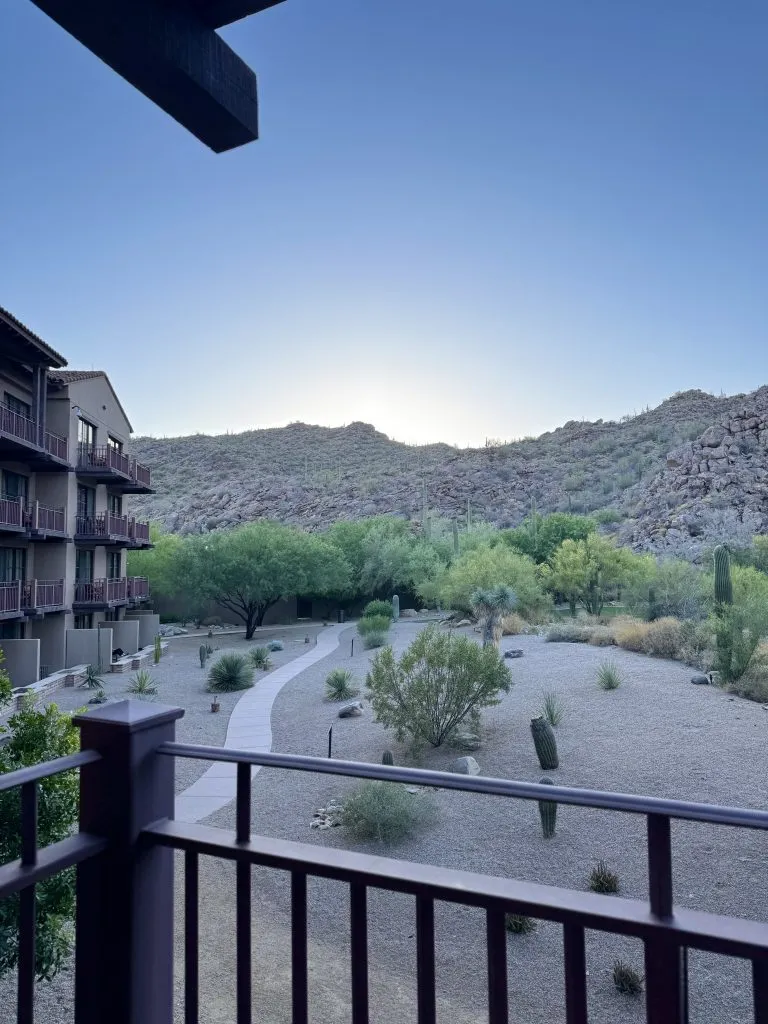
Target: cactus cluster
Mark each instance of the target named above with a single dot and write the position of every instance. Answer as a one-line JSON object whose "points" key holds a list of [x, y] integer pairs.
{"points": [[545, 743]]}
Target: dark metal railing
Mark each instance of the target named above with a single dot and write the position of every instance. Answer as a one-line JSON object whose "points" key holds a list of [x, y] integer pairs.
{"points": [[10, 597], [103, 526], [42, 519], [138, 587], [39, 595], [101, 591], [103, 457], [11, 512], [16, 425], [125, 938], [140, 474], [57, 446], [139, 532]]}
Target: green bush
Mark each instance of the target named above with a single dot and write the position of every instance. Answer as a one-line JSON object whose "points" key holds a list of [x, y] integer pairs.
{"points": [[337, 685], [374, 640], [382, 608], [602, 879], [230, 672], [664, 638], [374, 624], [569, 633], [142, 684], [626, 979], [387, 812], [487, 567], [519, 924], [608, 676], [275, 645], [552, 708], [439, 682], [260, 658]]}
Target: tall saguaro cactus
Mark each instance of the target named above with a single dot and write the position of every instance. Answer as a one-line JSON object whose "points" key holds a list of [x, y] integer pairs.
{"points": [[723, 583]]}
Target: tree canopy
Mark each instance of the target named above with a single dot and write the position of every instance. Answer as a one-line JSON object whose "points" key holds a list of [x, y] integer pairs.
{"points": [[540, 536], [585, 570], [483, 569]]}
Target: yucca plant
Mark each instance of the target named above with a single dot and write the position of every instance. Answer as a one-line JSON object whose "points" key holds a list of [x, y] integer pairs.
{"points": [[519, 924], [92, 677], [602, 879], [626, 979], [552, 708], [608, 676], [260, 658], [337, 685], [491, 606], [142, 684], [231, 672]]}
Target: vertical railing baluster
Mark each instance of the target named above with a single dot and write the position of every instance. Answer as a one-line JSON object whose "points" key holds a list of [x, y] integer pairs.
{"points": [[574, 956], [760, 990], [191, 938], [27, 910], [425, 959], [243, 909], [665, 979], [299, 949], [496, 937], [359, 951]]}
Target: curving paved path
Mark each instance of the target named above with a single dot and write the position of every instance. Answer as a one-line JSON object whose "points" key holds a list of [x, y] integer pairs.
{"points": [[249, 728]]}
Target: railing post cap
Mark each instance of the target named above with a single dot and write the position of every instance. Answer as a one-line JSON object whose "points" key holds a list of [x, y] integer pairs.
{"points": [[130, 715]]}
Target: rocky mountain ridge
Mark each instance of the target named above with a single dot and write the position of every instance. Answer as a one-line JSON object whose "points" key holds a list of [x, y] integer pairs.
{"points": [[655, 476]]}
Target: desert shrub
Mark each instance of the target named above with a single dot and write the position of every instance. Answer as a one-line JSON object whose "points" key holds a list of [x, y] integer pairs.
{"points": [[212, 620], [519, 924], [663, 639], [275, 645], [569, 633], [337, 685], [608, 676], [373, 640], [378, 608], [630, 634], [512, 625], [142, 684], [602, 879], [260, 658], [738, 630], [602, 636], [387, 812], [487, 567], [374, 624], [92, 677], [440, 681], [230, 672], [626, 979], [552, 708], [695, 643]]}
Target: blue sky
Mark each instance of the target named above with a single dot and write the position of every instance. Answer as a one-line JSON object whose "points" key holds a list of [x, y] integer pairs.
{"points": [[463, 219]]}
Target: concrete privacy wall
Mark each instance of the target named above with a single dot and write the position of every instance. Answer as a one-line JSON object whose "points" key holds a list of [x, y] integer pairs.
{"points": [[149, 624], [82, 647], [22, 661], [106, 646], [125, 634], [50, 632]]}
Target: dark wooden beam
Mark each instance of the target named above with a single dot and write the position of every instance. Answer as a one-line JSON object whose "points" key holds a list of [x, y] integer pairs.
{"points": [[217, 13], [174, 57]]}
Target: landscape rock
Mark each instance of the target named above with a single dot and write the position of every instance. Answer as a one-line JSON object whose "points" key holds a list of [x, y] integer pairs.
{"points": [[408, 613], [466, 741], [700, 679], [513, 652], [464, 766], [352, 710]]}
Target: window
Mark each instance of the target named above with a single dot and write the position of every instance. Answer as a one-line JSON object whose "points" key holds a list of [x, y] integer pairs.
{"points": [[84, 565], [16, 405], [86, 432], [110, 615], [114, 565], [11, 630], [115, 504], [15, 485], [86, 500], [13, 564], [114, 443], [84, 621]]}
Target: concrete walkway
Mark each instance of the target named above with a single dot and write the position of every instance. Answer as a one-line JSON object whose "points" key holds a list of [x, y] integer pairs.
{"points": [[249, 728]]}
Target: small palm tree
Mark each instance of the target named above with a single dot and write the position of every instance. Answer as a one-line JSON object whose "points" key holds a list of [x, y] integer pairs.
{"points": [[491, 606]]}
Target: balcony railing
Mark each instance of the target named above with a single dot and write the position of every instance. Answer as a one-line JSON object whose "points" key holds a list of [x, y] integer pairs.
{"points": [[57, 446], [139, 532], [101, 591], [103, 457], [16, 425], [42, 519], [10, 597], [11, 512], [104, 526], [138, 588], [140, 474], [124, 956], [42, 595]]}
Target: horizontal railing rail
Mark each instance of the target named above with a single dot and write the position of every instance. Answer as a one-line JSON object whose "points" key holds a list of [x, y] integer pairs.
{"points": [[42, 518]]}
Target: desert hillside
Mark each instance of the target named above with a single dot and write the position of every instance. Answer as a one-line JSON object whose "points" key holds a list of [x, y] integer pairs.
{"points": [[671, 478]]}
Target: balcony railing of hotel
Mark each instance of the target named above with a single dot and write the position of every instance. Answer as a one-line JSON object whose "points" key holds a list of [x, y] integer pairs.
{"points": [[37, 595], [111, 591], [16, 425], [12, 512], [107, 525], [138, 588], [33, 516], [108, 458], [124, 954]]}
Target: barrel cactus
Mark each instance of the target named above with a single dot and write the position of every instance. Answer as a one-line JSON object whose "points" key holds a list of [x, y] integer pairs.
{"points": [[387, 758], [395, 607], [547, 812], [723, 584], [545, 743]]}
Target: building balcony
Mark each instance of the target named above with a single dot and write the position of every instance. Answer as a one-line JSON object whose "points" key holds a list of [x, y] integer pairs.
{"points": [[12, 515], [110, 593], [104, 528], [23, 440], [42, 522], [107, 465], [128, 850], [20, 598]]}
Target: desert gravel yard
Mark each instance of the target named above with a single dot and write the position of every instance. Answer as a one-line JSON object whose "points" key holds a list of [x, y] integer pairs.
{"points": [[657, 735]]}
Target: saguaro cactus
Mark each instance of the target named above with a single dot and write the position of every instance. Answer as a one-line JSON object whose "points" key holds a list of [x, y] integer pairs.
{"points": [[455, 539], [547, 812], [203, 652], [545, 743], [395, 607], [723, 584], [387, 758]]}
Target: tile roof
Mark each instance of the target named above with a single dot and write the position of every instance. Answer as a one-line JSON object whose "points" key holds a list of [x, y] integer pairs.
{"points": [[73, 376], [30, 337]]}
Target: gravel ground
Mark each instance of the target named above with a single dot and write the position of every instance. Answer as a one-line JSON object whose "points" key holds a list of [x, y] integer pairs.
{"points": [[656, 735]]}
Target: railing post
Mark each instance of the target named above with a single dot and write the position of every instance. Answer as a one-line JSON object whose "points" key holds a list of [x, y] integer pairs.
{"points": [[124, 940]]}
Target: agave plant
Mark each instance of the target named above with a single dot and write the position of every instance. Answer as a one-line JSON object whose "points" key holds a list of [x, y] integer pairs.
{"points": [[260, 658], [92, 677], [142, 684]]}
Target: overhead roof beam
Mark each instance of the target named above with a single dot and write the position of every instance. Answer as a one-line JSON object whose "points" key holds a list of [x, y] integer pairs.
{"points": [[218, 13], [172, 55]]}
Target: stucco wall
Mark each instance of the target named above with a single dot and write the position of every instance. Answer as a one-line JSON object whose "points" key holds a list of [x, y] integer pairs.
{"points": [[22, 660], [125, 635]]}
